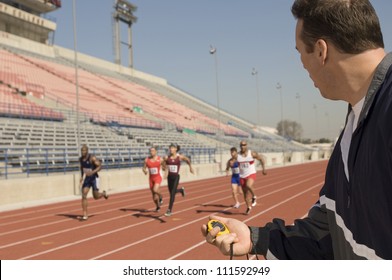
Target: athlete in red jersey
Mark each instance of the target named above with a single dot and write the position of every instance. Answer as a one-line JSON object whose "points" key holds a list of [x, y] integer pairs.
{"points": [[153, 164], [173, 163]]}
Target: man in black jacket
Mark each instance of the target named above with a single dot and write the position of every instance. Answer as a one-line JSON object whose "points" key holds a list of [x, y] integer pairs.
{"points": [[341, 46]]}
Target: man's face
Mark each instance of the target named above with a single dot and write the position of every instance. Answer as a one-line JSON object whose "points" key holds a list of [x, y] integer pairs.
{"points": [[84, 151], [234, 154], [173, 150], [312, 62], [153, 152], [243, 146]]}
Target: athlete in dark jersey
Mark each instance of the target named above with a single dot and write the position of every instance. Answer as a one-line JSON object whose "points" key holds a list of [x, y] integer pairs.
{"points": [[232, 164], [89, 168], [172, 165]]}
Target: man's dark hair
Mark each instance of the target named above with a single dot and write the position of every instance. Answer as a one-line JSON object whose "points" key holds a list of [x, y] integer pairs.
{"points": [[175, 146], [351, 25], [233, 149]]}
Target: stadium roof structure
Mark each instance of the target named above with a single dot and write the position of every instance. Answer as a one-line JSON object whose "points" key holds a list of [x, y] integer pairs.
{"points": [[124, 11]]}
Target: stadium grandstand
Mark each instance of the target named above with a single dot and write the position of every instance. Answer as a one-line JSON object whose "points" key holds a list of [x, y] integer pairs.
{"points": [[40, 126]]}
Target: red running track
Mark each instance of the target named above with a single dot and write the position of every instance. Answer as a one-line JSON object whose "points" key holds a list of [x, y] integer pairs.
{"points": [[125, 227]]}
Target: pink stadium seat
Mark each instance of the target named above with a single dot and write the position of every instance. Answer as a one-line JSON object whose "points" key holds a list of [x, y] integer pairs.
{"points": [[104, 99]]}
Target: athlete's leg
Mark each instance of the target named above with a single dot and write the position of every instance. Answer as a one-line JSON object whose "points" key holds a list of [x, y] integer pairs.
{"points": [[180, 190], [235, 188], [247, 195], [96, 193], [99, 195], [172, 192], [85, 191], [250, 183], [172, 183], [247, 198], [156, 196]]}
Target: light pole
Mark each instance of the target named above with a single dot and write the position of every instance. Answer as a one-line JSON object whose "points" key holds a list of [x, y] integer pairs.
{"points": [[123, 12], [279, 88], [316, 119], [328, 123], [298, 96], [76, 75], [213, 52], [256, 74]]}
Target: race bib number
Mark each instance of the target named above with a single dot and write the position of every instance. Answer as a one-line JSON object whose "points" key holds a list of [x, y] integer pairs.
{"points": [[173, 168], [236, 170], [244, 165], [153, 171]]}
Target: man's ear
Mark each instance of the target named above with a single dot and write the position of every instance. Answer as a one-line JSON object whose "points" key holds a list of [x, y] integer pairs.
{"points": [[321, 49]]}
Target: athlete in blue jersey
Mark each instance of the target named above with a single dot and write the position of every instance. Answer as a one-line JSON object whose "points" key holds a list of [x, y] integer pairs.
{"points": [[89, 168], [235, 175]]}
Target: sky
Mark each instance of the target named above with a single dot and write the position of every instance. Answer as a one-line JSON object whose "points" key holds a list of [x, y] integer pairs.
{"points": [[172, 39]]}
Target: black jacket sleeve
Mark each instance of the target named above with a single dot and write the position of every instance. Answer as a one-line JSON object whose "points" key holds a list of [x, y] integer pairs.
{"points": [[308, 238]]}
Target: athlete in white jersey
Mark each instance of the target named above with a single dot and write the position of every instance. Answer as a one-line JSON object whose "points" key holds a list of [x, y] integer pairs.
{"points": [[246, 160]]}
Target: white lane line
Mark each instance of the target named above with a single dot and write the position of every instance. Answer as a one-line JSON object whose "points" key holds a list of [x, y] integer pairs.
{"points": [[115, 210], [123, 228], [130, 226], [130, 194], [159, 234], [264, 211]]}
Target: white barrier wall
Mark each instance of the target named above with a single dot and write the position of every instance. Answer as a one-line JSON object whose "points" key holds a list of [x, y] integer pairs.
{"points": [[25, 192]]}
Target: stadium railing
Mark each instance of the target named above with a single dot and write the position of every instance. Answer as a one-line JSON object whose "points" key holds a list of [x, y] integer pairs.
{"points": [[25, 162]]}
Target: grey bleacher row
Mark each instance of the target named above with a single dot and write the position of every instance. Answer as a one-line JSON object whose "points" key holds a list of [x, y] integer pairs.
{"points": [[43, 145], [18, 132], [263, 145], [188, 101], [167, 91], [118, 138], [174, 94]]}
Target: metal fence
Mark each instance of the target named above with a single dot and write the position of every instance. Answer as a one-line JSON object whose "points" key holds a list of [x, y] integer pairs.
{"points": [[25, 162]]}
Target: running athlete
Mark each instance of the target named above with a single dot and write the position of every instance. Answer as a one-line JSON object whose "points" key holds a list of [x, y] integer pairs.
{"points": [[154, 163], [173, 163], [246, 160], [89, 168], [235, 175]]}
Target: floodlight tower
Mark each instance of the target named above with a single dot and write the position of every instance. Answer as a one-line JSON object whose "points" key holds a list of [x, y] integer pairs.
{"points": [[123, 11]]}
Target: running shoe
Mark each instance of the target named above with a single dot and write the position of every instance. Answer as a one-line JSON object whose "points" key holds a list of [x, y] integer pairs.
{"points": [[254, 201], [248, 210], [168, 213], [157, 209], [237, 205], [160, 201], [84, 218], [105, 195], [182, 190]]}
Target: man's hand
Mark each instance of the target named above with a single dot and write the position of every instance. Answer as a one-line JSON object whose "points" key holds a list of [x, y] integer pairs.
{"points": [[239, 235]]}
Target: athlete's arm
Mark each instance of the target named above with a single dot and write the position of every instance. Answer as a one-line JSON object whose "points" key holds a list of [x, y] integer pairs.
{"points": [[228, 167], [97, 164], [81, 170], [188, 161], [164, 167], [261, 159], [145, 167], [163, 164]]}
